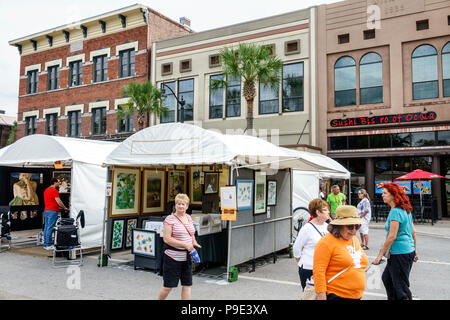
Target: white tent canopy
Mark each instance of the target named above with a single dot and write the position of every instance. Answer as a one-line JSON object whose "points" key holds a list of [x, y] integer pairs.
{"points": [[179, 143], [88, 184]]}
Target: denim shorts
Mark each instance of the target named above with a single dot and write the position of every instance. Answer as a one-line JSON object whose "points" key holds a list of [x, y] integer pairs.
{"points": [[175, 271]]}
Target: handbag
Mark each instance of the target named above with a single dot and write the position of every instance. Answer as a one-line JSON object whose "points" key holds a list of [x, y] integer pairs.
{"points": [[310, 292]]}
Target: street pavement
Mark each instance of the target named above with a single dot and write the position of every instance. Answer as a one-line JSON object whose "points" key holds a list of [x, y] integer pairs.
{"points": [[24, 277]]}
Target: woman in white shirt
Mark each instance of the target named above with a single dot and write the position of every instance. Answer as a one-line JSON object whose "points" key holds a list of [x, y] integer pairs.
{"points": [[308, 237], [364, 213]]}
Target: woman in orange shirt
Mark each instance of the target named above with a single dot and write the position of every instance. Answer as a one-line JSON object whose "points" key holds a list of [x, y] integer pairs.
{"points": [[339, 261]]}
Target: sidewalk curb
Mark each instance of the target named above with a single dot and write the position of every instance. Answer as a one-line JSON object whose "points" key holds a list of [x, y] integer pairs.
{"points": [[381, 227]]}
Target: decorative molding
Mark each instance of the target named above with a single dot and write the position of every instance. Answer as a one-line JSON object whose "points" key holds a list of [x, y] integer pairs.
{"points": [[33, 113], [118, 102], [57, 62], [77, 57], [100, 52], [51, 111], [33, 67], [127, 46], [75, 107], [98, 104]]}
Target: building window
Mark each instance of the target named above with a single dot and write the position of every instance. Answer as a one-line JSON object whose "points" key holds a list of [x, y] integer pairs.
{"points": [[344, 38], [292, 47], [186, 91], [126, 123], [345, 82], [74, 124], [100, 68], [186, 65], [293, 87], [425, 73], [233, 98], [30, 125], [214, 61], [371, 78], [169, 102], [98, 121], [126, 63], [53, 78], [51, 124], [422, 25], [268, 99], [369, 34], [32, 81], [75, 73], [446, 69], [216, 98], [166, 69]]}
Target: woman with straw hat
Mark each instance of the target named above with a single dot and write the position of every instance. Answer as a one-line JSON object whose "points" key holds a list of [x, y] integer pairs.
{"points": [[339, 261]]}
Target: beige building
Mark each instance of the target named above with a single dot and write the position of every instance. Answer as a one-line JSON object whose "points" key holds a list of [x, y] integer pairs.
{"points": [[187, 64], [384, 92]]}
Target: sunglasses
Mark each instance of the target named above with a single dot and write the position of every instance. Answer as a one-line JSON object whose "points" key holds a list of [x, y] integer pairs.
{"points": [[354, 226]]}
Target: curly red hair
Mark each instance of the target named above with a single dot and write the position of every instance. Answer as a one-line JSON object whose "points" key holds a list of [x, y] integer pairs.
{"points": [[400, 198]]}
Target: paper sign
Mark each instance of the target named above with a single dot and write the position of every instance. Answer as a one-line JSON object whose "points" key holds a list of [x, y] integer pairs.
{"points": [[228, 197], [229, 214], [108, 189], [58, 164]]}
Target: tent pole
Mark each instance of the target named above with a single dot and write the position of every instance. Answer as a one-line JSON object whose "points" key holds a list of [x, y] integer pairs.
{"points": [[230, 182], [105, 218]]}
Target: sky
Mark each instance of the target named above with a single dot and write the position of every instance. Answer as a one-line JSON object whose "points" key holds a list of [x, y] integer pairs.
{"points": [[25, 17]]}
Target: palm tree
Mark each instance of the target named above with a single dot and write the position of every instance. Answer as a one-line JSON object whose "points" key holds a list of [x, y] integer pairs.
{"points": [[145, 99], [253, 64]]}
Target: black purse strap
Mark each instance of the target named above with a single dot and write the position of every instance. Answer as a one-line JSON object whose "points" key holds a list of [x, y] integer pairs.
{"points": [[316, 229]]}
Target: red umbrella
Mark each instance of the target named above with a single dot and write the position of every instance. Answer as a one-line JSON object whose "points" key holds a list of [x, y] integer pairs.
{"points": [[419, 174]]}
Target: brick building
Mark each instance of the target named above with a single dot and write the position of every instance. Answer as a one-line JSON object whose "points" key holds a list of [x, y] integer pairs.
{"points": [[71, 76]]}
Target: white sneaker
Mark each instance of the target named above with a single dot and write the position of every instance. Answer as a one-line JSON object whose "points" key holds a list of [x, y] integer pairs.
{"points": [[52, 247]]}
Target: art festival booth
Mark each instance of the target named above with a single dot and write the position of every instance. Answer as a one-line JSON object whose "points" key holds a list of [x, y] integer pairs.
{"points": [[28, 165], [239, 188]]}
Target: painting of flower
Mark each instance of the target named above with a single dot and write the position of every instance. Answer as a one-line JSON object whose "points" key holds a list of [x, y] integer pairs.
{"points": [[125, 200]]}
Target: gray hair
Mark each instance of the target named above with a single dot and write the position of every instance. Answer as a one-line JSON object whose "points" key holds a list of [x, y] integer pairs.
{"points": [[334, 230], [335, 186]]}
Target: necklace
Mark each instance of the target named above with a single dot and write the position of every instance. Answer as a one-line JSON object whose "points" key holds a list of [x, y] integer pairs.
{"points": [[337, 201]]}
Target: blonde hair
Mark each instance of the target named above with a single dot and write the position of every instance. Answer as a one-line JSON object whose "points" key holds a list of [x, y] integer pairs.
{"points": [[182, 197], [364, 193]]}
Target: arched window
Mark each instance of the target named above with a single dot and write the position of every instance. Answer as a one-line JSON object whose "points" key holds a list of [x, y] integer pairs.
{"points": [[345, 82], [371, 78], [425, 72], [446, 69]]}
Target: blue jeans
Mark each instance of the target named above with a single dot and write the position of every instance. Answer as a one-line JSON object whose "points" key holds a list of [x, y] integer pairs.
{"points": [[50, 221]]}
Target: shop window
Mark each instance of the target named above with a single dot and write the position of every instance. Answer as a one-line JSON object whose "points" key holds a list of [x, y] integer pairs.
{"points": [[383, 165], [216, 98], [233, 98], [401, 140], [186, 91], [425, 72], [338, 143], [371, 78], [358, 142], [422, 163], [423, 139], [401, 165], [293, 87], [169, 103], [357, 166], [446, 69], [380, 141], [345, 82], [444, 138]]}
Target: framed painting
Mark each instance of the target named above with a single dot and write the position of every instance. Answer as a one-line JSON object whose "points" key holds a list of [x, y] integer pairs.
{"points": [[144, 243], [244, 194], [154, 197], [131, 225], [125, 198], [64, 177], [271, 192], [211, 182], [195, 190], [260, 193], [24, 189], [117, 234], [176, 183]]}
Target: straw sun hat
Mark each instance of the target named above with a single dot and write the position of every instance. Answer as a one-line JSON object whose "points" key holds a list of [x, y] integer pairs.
{"points": [[346, 215]]}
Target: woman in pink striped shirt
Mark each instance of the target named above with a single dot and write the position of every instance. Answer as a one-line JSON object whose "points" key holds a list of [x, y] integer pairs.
{"points": [[179, 241]]}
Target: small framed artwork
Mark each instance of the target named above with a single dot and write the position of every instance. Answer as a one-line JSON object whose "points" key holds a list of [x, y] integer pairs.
{"points": [[195, 190], [126, 186], [211, 182], [244, 194], [176, 183], [260, 192], [64, 177], [154, 195], [144, 243], [271, 192], [131, 225], [117, 234]]}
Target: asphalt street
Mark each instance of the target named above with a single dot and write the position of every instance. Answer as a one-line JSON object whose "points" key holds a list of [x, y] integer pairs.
{"points": [[25, 277]]}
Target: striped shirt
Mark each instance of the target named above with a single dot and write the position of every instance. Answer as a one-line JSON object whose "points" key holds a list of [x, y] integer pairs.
{"points": [[180, 233]]}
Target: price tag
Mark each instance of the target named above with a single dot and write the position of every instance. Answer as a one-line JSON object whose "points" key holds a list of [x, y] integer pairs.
{"points": [[108, 189]]}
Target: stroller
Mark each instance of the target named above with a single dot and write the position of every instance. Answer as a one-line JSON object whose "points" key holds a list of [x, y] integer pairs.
{"points": [[67, 238], [5, 226]]}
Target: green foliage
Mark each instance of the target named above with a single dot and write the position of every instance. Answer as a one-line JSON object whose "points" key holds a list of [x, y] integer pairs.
{"points": [[12, 134]]}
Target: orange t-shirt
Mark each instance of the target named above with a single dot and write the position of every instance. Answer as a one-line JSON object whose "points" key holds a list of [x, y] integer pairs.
{"points": [[331, 256]]}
